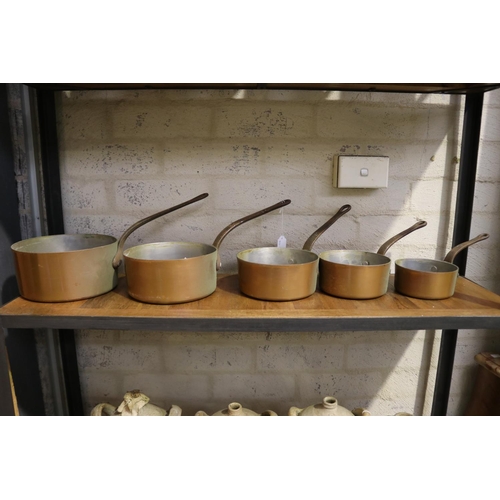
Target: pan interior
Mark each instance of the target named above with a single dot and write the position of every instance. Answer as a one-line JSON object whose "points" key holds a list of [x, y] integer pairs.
{"points": [[63, 243], [176, 250], [277, 256], [427, 265], [354, 258]]}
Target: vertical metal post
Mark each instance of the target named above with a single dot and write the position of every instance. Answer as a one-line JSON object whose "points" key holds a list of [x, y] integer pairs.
{"points": [[28, 106], [461, 233], [55, 225]]}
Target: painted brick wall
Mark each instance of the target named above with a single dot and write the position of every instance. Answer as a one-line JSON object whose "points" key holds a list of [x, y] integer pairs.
{"points": [[125, 155]]}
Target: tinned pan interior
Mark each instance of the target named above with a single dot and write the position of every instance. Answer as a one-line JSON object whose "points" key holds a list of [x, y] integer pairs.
{"points": [[277, 274], [425, 278], [63, 243], [171, 250], [354, 274], [354, 258], [427, 265], [62, 268], [170, 272]]}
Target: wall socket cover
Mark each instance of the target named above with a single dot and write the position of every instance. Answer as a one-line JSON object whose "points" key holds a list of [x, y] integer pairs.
{"points": [[361, 171]]}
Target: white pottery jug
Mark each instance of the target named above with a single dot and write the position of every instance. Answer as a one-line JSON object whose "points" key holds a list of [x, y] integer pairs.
{"points": [[328, 408], [237, 410]]}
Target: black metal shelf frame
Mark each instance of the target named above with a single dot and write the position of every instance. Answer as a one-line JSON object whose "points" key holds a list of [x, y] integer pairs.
{"points": [[462, 224]]}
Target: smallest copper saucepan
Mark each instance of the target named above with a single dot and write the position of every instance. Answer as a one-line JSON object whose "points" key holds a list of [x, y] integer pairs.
{"points": [[428, 278]]}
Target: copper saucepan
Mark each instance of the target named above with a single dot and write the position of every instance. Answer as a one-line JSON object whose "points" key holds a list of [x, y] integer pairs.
{"points": [[430, 279], [66, 267], [178, 272], [355, 274], [282, 274]]}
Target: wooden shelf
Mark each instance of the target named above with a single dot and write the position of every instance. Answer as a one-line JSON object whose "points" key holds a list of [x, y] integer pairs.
{"points": [[227, 310], [419, 88]]}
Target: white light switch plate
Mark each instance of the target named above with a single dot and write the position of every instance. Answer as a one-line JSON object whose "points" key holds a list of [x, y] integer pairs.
{"points": [[361, 171]]}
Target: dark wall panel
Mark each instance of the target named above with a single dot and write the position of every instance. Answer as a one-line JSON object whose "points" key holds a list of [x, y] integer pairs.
{"points": [[20, 344]]}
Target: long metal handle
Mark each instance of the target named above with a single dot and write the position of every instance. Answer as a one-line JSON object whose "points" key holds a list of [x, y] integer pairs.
{"points": [[119, 252], [450, 256], [388, 244], [312, 239], [230, 227]]}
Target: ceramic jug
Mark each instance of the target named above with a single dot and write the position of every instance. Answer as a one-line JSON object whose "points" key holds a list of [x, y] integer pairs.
{"points": [[237, 410], [328, 408], [135, 404]]}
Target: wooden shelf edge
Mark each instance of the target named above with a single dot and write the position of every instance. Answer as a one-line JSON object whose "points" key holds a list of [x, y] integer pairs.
{"points": [[415, 88], [228, 310]]}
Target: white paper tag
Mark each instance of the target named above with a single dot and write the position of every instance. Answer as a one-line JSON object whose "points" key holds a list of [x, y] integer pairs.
{"points": [[281, 242]]}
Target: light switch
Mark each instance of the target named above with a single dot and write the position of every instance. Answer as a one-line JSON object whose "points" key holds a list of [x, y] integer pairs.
{"points": [[361, 171]]}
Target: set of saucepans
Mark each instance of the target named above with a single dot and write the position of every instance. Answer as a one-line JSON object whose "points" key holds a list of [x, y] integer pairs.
{"points": [[63, 268]]}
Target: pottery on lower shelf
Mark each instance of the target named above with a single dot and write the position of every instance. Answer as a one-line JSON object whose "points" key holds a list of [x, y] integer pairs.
{"points": [[103, 410], [134, 404], [237, 410], [329, 407]]}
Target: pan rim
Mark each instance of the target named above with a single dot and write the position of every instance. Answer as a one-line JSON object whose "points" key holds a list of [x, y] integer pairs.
{"points": [[315, 257], [19, 245], [157, 244], [365, 266], [434, 261]]}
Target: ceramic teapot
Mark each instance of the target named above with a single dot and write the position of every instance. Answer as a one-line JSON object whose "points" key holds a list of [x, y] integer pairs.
{"points": [[237, 410], [328, 408], [134, 404]]}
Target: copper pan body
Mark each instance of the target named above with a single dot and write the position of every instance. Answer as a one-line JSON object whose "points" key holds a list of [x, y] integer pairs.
{"points": [[355, 274], [178, 272], [277, 274], [282, 274], [171, 272], [67, 267], [430, 279]]}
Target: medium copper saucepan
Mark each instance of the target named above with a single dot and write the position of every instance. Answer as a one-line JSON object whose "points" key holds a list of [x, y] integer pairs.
{"points": [[430, 279], [178, 272], [66, 267], [282, 274], [355, 274]]}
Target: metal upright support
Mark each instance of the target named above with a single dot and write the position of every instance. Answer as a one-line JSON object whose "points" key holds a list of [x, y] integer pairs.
{"points": [[461, 233], [55, 225]]}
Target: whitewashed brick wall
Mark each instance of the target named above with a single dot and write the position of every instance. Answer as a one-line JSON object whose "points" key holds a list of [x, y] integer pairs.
{"points": [[125, 155]]}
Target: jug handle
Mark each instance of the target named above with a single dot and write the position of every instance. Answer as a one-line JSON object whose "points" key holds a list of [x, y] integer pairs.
{"points": [[175, 411], [312, 239], [117, 260], [230, 227], [294, 411], [361, 412]]}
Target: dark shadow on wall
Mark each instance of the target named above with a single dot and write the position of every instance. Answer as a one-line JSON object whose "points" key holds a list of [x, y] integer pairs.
{"points": [[20, 343]]}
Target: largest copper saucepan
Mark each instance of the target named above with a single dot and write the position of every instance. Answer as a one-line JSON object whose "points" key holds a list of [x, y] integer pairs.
{"points": [[178, 272], [428, 278], [355, 274], [282, 274], [66, 267]]}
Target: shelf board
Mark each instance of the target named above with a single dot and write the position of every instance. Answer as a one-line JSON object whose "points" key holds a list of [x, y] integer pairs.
{"points": [[227, 310], [415, 88]]}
